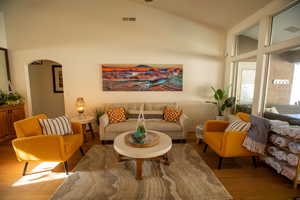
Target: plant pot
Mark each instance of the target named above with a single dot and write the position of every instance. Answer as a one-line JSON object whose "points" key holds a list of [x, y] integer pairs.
{"points": [[218, 117]]}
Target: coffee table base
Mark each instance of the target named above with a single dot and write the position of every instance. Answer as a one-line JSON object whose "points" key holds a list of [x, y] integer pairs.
{"points": [[139, 163]]}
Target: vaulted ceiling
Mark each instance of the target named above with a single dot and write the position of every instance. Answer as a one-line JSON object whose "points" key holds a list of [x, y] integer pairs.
{"points": [[218, 13]]}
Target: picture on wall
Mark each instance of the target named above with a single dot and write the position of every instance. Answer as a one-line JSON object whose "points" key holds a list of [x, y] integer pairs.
{"points": [[57, 77], [152, 77]]}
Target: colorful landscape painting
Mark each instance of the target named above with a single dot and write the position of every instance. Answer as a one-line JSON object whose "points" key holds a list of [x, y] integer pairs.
{"points": [[131, 77]]}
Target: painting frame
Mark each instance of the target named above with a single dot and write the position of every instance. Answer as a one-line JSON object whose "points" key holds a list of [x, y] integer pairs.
{"points": [[142, 77], [57, 79]]}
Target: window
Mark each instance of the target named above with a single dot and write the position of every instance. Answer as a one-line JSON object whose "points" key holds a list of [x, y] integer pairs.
{"points": [[286, 24], [247, 40], [283, 96]]}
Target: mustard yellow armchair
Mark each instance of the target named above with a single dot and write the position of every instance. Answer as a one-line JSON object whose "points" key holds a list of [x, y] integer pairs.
{"points": [[32, 145], [226, 144]]}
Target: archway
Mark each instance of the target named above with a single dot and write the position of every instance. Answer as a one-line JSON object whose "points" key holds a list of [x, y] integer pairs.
{"points": [[46, 88]]}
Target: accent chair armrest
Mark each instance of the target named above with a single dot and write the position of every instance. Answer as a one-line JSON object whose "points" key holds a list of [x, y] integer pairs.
{"points": [[215, 125], [104, 121], [41, 147]]}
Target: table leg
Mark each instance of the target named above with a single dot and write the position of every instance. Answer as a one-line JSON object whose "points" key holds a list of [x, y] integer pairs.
{"points": [[139, 166], [84, 132], [166, 159], [91, 129]]}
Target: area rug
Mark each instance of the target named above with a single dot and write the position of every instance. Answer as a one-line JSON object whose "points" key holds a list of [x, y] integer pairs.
{"points": [[99, 175]]}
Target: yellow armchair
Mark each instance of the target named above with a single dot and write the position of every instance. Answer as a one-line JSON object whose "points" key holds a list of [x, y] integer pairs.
{"points": [[226, 144], [32, 145]]}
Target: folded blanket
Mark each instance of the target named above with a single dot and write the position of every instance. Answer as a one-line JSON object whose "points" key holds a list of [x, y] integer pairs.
{"points": [[281, 141], [289, 172], [294, 147], [277, 165], [278, 126], [274, 123], [273, 137], [294, 132], [257, 136], [280, 155], [272, 150], [292, 159]]}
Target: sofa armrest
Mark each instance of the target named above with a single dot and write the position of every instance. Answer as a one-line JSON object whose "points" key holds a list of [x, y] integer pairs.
{"points": [[104, 121], [184, 121], [215, 125], [41, 147], [77, 128]]}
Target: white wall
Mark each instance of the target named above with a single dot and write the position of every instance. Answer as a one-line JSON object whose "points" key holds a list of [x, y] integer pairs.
{"points": [[44, 100], [3, 42], [81, 35]]}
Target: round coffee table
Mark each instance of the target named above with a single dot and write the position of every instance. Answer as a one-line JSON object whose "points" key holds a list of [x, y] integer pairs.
{"points": [[158, 151]]}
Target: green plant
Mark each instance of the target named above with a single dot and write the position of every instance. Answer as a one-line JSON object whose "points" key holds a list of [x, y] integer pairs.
{"points": [[141, 129], [99, 113], [222, 101], [14, 98], [3, 98]]}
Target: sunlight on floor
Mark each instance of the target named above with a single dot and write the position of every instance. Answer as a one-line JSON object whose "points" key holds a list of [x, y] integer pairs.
{"points": [[41, 173]]}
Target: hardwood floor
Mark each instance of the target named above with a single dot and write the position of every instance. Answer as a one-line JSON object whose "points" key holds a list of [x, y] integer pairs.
{"points": [[238, 176]]}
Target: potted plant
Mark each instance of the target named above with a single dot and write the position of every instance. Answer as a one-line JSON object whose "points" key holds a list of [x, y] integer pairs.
{"points": [[13, 99], [222, 101], [3, 98], [99, 113]]}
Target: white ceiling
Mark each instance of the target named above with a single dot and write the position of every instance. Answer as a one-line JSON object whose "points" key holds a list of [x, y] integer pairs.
{"points": [[217, 13]]}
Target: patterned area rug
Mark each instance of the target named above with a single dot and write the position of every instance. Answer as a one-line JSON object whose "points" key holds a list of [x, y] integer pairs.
{"points": [[98, 175]]}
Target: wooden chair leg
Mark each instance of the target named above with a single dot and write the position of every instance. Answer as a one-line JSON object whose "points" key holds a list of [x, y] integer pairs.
{"points": [[25, 168], [91, 130], [205, 148], [254, 161], [66, 167], [81, 151], [220, 163]]}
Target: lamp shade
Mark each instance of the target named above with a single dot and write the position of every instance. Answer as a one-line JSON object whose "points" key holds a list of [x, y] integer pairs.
{"points": [[80, 104]]}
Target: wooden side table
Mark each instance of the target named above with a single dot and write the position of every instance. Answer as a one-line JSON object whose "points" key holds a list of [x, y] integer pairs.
{"points": [[85, 120]]}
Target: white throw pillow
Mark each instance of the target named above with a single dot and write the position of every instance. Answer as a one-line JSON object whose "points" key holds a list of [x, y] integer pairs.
{"points": [[238, 125], [56, 126]]}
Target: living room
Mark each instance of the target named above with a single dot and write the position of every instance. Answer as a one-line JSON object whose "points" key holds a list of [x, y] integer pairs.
{"points": [[110, 68]]}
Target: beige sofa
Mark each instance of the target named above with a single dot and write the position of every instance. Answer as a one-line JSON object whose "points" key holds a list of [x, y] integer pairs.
{"points": [[177, 131]]}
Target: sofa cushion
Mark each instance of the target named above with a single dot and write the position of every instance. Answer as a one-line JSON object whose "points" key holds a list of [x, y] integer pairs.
{"points": [[151, 124], [158, 106], [172, 114], [116, 115], [162, 125]]}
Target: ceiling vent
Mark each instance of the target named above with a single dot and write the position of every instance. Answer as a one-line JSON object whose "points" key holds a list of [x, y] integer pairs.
{"points": [[292, 29], [129, 19]]}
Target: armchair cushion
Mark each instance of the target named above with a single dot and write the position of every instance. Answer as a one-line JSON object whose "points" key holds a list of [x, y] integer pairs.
{"points": [[56, 126], [238, 125]]}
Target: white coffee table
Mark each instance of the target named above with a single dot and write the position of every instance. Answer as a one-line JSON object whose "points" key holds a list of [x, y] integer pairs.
{"points": [[158, 151]]}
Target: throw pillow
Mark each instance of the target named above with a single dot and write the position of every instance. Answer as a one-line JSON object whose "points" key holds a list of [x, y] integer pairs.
{"points": [[172, 114], [116, 115], [56, 126], [238, 125]]}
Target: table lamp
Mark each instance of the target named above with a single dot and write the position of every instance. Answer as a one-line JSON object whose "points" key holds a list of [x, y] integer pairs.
{"points": [[80, 104]]}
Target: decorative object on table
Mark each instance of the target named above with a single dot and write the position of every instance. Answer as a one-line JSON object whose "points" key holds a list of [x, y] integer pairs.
{"points": [[80, 105], [57, 77], [98, 114], [150, 140], [13, 98], [222, 101], [140, 132], [132, 77]]}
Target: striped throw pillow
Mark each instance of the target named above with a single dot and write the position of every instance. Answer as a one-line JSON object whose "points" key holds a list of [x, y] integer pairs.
{"points": [[56, 126], [238, 125]]}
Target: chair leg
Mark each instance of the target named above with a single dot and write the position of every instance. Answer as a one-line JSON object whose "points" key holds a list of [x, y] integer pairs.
{"points": [[66, 167], [81, 151], [25, 168], [220, 163], [254, 161], [205, 148]]}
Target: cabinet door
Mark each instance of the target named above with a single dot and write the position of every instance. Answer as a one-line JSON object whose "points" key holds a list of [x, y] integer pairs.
{"points": [[15, 115], [4, 123]]}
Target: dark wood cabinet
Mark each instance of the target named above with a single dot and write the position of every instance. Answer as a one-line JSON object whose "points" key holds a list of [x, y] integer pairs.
{"points": [[8, 115]]}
